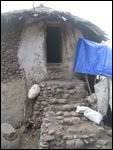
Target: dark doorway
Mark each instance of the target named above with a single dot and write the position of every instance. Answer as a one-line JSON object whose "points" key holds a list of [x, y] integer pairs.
{"points": [[53, 41]]}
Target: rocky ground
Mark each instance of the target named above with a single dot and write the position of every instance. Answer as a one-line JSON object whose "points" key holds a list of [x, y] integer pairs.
{"points": [[29, 140]]}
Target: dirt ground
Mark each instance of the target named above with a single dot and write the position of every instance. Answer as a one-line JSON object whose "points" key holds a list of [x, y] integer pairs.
{"points": [[29, 140]]}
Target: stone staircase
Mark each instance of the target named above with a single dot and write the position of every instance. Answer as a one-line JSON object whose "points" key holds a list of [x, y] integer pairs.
{"points": [[57, 71], [61, 127]]}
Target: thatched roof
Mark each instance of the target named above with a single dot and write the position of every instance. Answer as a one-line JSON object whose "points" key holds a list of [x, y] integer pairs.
{"points": [[89, 30]]}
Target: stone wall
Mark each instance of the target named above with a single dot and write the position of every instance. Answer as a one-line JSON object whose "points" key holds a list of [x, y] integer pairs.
{"points": [[10, 38], [13, 91]]}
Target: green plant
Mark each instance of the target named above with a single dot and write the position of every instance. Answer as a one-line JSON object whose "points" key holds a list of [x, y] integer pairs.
{"points": [[37, 133]]}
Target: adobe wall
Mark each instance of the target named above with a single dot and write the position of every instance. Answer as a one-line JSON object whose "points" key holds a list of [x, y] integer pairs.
{"points": [[32, 52], [70, 37]]}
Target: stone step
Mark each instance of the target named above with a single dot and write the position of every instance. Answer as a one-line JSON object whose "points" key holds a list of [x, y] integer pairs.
{"points": [[57, 75], [68, 132], [64, 107], [61, 126], [58, 101], [54, 65], [78, 85]]}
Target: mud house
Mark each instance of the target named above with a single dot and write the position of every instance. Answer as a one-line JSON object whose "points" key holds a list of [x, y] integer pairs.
{"points": [[37, 45]]}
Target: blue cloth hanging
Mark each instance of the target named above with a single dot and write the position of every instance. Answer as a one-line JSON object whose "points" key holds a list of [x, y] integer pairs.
{"points": [[93, 58]]}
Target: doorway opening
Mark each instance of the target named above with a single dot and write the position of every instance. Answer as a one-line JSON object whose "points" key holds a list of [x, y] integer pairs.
{"points": [[53, 41]]}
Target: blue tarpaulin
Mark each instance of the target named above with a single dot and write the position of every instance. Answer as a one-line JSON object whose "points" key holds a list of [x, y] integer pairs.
{"points": [[93, 58]]}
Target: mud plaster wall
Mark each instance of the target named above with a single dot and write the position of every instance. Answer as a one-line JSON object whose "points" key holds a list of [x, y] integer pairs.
{"points": [[12, 82], [69, 41], [32, 51], [12, 102]]}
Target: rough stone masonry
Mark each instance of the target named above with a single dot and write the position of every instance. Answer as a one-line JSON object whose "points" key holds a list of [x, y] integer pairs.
{"points": [[61, 127]]}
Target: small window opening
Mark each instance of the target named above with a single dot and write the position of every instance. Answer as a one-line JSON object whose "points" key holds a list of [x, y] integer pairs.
{"points": [[53, 41]]}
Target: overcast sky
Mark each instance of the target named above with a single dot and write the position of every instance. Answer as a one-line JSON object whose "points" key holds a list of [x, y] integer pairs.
{"points": [[98, 12]]}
